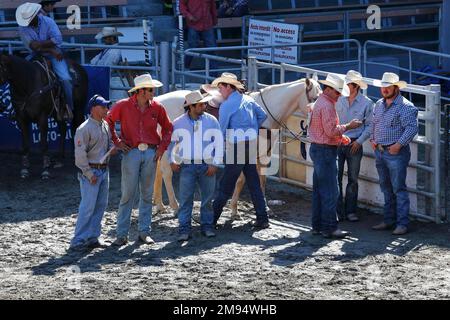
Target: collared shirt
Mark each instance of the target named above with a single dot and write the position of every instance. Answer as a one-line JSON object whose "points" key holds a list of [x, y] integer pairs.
{"points": [[47, 29], [361, 109], [140, 127], [241, 111], [108, 57], [324, 126], [205, 140], [92, 142], [396, 123], [203, 10]]}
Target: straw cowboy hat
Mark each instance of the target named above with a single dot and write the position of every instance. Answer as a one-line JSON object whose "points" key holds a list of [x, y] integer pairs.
{"points": [[108, 32], [353, 76], [145, 81], [217, 98], [337, 83], [390, 79], [195, 97], [26, 12], [229, 78]]}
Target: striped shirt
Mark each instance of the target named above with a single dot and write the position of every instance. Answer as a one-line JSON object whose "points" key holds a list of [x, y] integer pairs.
{"points": [[324, 127], [396, 123]]}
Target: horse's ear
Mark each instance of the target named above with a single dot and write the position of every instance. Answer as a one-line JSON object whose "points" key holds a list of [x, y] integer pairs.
{"points": [[315, 77]]}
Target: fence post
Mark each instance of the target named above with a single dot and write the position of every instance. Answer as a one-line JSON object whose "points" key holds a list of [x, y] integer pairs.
{"points": [[164, 54], [252, 82]]}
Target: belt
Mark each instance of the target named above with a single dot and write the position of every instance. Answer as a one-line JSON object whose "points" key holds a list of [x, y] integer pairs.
{"points": [[98, 165], [382, 148], [325, 145], [145, 146]]}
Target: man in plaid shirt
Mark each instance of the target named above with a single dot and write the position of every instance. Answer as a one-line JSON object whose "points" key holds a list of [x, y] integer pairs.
{"points": [[394, 126], [326, 134]]}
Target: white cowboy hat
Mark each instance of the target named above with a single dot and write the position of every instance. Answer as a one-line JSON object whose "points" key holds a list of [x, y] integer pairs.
{"points": [[26, 12], [145, 81], [353, 76], [108, 32], [217, 98], [337, 83], [390, 79], [229, 78], [195, 97]]}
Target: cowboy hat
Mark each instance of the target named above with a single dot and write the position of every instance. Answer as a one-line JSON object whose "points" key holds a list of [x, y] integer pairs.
{"points": [[108, 32], [390, 79], [195, 97], [217, 98], [145, 81], [26, 12], [337, 83], [49, 1], [229, 78], [353, 76]]}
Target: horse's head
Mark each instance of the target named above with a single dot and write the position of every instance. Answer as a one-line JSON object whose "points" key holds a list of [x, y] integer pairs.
{"points": [[312, 92]]}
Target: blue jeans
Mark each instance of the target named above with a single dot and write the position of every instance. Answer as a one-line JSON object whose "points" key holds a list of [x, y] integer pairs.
{"points": [[392, 172], [325, 188], [94, 200], [138, 169], [209, 40], [350, 204], [190, 175], [62, 71]]}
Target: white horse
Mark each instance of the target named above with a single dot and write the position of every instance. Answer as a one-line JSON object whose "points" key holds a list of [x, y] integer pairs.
{"points": [[279, 101]]}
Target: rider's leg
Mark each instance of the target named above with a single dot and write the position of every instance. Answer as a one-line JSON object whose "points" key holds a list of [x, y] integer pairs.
{"points": [[62, 71]]}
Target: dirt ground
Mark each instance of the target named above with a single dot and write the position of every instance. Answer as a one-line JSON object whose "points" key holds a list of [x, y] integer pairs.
{"points": [[286, 261]]}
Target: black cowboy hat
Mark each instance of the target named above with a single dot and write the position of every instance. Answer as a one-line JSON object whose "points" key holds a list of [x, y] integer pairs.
{"points": [[49, 1]]}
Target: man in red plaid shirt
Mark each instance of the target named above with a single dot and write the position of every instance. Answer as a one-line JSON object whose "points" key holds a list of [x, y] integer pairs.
{"points": [[326, 134]]}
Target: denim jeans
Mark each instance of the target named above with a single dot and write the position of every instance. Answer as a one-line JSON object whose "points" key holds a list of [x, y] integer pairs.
{"points": [[325, 188], [209, 40], [350, 204], [190, 176], [94, 200], [138, 169], [62, 71], [392, 172]]}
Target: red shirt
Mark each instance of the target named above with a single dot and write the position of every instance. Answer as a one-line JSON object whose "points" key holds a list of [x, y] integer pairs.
{"points": [[140, 127], [324, 127], [203, 10]]}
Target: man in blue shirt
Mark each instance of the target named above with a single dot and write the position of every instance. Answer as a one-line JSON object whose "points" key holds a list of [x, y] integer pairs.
{"points": [[394, 126], [355, 106], [41, 36], [240, 118], [195, 152]]}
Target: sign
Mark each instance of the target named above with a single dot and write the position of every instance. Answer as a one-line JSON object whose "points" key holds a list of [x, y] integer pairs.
{"points": [[273, 33], [11, 138]]}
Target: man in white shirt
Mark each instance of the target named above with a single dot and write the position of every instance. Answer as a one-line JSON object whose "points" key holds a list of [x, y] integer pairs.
{"points": [[109, 56]]}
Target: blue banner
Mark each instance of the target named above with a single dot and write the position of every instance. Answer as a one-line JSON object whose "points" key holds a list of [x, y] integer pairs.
{"points": [[11, 138]]}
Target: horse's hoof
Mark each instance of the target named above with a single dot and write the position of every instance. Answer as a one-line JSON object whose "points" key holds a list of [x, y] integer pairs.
{"points": [[45, 175], [24, 173], [160, 209], [174, 207]]}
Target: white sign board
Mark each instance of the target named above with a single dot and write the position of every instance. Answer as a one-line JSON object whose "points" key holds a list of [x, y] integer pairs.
{"points": [[133, 36], [273, 33]]}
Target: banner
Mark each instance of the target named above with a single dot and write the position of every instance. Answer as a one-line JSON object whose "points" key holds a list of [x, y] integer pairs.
{"points": [[11, 138], [273, 33]]}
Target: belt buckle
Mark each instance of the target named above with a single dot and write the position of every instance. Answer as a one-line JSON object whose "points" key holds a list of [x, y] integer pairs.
{"points": [[142, 146]]}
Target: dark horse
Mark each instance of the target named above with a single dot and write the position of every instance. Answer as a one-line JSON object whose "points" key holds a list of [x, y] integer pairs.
{"points": [[32, 100]]}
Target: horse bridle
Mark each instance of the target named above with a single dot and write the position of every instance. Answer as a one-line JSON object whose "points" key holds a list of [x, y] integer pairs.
{"points": [[282, 124]]}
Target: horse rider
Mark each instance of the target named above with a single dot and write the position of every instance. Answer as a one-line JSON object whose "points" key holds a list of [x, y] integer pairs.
{"points": [[108, 56], [93, 145], [41, 36], [240, 113]]}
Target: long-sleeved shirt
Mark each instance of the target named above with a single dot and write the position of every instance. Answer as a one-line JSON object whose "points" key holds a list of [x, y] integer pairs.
{"points": [[108, 57], [196, 140], [324, 127], [241, 112], [361, 109], [204, 11], [47, 29], [92, 142], [396, 123], [140, 127]]}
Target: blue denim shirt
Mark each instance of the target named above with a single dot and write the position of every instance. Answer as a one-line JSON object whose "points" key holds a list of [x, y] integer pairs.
{"points": [[241, 111], [396, 123], [206, 140], [361, 109], [47, 29]]}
